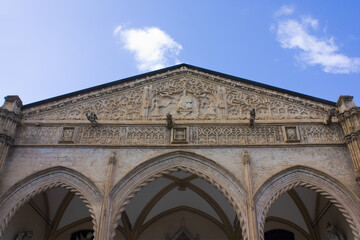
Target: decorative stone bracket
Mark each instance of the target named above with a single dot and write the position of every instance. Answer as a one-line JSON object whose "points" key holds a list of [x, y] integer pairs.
{"points": [[348, 115], [9, 119]]}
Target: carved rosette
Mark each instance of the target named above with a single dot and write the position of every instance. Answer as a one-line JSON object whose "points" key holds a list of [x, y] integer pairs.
{"points": [[349, 117]]}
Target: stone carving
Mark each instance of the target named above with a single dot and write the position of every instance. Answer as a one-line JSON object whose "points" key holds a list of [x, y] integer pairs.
{"points": [[291, 134], [169, 121], [334, 233], [321, 134], [223, 135], [147, 100], [179, 135], [252, 116], [24, 235], [329, 116], [245, 157], [235, 135], [67, 135], [92, 118], [147, 135], [186, 95], [102, 135], [38, 135]]}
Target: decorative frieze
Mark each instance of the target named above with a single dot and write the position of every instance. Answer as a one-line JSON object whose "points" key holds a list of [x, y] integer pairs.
{"points": [[152, 135], [321, 134], [38, 135], [191, 135], [235, 135], [186, 95], [110, 135]]}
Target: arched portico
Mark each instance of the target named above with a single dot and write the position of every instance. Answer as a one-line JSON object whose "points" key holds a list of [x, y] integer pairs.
{"points": [[200, 166], [346, 202], [44, 180]]}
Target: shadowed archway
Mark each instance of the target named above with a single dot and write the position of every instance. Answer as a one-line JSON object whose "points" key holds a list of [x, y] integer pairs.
{"points": [[192, 163], [300, 176], [39, 182]]}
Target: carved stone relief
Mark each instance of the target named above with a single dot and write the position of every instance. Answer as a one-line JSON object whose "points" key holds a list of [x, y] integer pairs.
{"points": [[187, 95], [235, 135], [291, 134], [68, 135], [321, 134], [38, 135], [198, 134]]}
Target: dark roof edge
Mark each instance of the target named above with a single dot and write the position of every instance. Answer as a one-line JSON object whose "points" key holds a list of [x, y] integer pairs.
{"points": [[86, 90]]}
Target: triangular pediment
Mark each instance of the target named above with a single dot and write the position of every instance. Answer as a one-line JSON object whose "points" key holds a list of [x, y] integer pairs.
{"points": [[188, 93]]}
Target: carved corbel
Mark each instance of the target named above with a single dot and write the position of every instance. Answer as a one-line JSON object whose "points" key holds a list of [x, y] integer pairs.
{"points": [[348, 115], [245, 158]]}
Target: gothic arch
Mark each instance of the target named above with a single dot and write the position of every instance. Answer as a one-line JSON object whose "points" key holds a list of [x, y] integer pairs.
{"points": [[44, 180], [346, 202], [198, 165]]}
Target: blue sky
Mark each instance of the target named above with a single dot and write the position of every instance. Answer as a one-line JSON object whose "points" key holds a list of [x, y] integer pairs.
{"points": [[50, 48]]}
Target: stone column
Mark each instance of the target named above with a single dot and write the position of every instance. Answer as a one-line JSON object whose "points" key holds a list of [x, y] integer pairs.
{"points": [[10, 115], [348, 115]]}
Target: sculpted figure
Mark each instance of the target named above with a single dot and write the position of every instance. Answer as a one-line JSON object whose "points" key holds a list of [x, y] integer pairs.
{"points": [[334, 233], [92, 118], [147, 101], [185, 104], [169, 121], [252, 116], [210, 110], [329, 116]]}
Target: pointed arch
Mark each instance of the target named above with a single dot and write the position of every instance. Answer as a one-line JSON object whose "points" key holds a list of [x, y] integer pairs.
{"points": [[195, 164], [301, 176], [44, 180]]}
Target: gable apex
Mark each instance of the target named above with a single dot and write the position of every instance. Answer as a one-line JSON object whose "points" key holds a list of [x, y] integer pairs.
{"points": [[184, 91], [182, 66]]}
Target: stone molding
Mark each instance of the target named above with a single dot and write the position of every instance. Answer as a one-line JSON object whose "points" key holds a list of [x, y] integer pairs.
{"points": [[299, 176], [186, 94], [23, 191], [200, 166], [231, 134]]}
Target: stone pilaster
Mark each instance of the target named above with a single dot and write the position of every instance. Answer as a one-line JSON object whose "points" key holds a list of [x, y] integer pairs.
{"points": [[9, 119], [348, 115], [253, 234], [103, 225]]}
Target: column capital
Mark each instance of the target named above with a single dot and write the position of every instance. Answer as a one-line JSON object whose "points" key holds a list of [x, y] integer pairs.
{"points": [[13, 104]]}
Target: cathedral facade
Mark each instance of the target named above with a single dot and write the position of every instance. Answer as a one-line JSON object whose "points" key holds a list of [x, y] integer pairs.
{"points": [[181, 153]]}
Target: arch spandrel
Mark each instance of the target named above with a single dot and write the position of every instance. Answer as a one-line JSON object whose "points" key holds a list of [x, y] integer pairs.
{"points": [[299, 176], [39, 182], [198, 165]]}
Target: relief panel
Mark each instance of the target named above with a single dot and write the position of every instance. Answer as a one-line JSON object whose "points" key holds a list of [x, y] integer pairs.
{"points": [[187, 96]]}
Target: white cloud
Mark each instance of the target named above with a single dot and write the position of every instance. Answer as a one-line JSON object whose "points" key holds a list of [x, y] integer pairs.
{"points": [[295, 34], [152, 47], [285, 10]]}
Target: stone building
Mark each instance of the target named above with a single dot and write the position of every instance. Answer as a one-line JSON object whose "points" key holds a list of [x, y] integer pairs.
{"points": [[181, 153]]}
